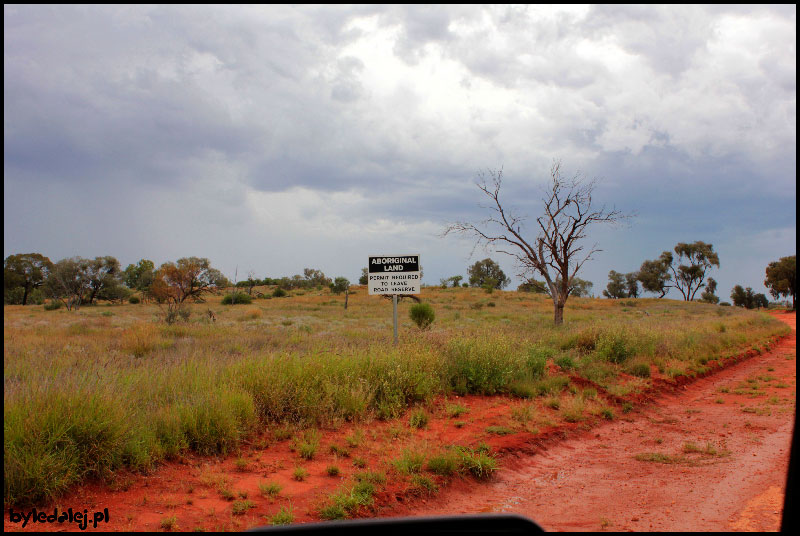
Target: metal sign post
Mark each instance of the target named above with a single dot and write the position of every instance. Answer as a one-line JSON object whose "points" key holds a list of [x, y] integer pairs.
{"points": [[393, 275], [394, 316]]}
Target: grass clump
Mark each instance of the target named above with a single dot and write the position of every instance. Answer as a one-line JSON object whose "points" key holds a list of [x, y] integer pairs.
{"points": [[455, 410], [299, 474], [284, 516], [346, 502], [409, 462], [332, 470], [376, 478], [659, 457], [169, 523], [479, 464], [308, 445], [445, 464], [239, 508], [419, 419], [336, 450], [423, 485], [270, 489]]}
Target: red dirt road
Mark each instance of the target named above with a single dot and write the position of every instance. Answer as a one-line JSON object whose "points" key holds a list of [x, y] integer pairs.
{"points": [[727, 437]]}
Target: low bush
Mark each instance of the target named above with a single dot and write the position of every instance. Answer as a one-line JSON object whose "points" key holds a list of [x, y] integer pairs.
{"points": [[134, 300], [237, 297], [422, 314], [53, 305]]}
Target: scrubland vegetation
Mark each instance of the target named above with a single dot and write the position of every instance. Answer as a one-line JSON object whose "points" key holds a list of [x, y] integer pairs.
{"points": [[89, 391]]}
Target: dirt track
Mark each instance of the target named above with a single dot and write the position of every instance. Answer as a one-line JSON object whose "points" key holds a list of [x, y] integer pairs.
{"points": [[594, 482]]}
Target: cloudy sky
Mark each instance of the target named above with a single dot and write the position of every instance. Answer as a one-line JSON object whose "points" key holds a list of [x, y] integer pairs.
{"points": [[270, 139]]}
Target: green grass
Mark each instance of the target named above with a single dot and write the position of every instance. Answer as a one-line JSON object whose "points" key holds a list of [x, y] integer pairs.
{"points": [[333, 470], [411, 461], [284, 516], [270, 489], [299, 474], [87, 395], [239, 508], [419, 419], [345, 502]]}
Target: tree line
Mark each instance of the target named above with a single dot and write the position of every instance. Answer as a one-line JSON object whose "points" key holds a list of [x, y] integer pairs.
{"points": [[687, 271], [76, 281]]}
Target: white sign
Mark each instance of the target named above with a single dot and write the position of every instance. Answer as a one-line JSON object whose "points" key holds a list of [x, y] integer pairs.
{"points": [[393, 274]]}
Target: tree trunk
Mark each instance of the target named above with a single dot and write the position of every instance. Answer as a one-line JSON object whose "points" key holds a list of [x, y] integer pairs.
{"points": [[558, 309], [25, 296], [346, 294]]}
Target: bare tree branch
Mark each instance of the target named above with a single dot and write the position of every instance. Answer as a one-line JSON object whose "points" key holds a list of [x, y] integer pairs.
{"points": [[567, 214]]}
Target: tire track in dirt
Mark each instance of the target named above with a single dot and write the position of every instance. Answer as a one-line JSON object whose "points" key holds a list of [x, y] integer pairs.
{"points": [[727, 435]]}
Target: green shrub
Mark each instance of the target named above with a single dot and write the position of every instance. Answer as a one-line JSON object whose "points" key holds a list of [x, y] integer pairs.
{"points": [[565, 362], [53, 305], [422, 314], [537, 360], [278, 293], [615, 346], [134, 300], [237, 297], [642, 370], [444, 464], [483, 366]]}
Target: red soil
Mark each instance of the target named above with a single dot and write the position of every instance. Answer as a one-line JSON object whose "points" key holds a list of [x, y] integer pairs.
{"points": [[566, 477], [594, 482]]}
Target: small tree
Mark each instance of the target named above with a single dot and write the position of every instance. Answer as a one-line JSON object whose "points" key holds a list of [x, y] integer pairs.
{"points": [[782, 278], [364, 279], [68, 282], [632, 284], [487, 274], [422, 314], [654, 275], [708, 295], [339, 285], [139, 276], [190, 277], [745, 297], [556, 251], [616, 286], [28, 271], [104, 275]]}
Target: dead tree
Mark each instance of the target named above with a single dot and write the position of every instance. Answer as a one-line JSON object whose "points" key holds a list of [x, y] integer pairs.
{"points": [[556, 252]]}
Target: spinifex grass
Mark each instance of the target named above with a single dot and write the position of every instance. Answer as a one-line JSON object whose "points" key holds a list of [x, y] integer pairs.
{"points": [[87, 394]]}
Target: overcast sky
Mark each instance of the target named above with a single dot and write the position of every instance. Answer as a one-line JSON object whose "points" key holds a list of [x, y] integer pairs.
{"points": [[272, 138]]}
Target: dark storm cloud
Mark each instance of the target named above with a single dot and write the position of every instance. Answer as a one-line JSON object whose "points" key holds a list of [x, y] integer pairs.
{"points": [[209, 119]]}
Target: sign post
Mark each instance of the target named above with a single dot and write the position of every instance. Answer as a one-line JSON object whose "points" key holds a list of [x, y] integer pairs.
{"points": [[393, 275]]}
